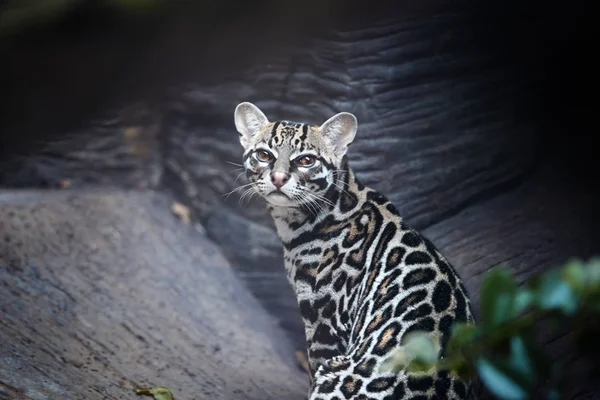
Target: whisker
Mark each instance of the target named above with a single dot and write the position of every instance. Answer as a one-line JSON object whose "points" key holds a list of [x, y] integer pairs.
{"points": [[312, 209], [319, 205], [314, 200], [250, 196], [340, 187], [246, 193], [321, 198], [311, 197], [240, 187], [338, 170], [255, 192], [308, 204], [232, 163], [236, 189], [238, 177]]}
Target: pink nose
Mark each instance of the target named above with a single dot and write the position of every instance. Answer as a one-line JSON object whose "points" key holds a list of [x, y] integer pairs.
{"points": [[279, 179]]}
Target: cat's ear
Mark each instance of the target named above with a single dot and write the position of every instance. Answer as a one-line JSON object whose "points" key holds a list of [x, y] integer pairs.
{"points": [[339, 131], [248, 121]]}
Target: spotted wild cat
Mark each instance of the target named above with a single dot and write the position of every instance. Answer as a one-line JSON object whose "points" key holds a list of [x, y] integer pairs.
{"points": [[362, 277]]}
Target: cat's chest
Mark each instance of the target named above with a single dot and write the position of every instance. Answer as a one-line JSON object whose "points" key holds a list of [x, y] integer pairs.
{"points": [[315, 267], [324, 285]]}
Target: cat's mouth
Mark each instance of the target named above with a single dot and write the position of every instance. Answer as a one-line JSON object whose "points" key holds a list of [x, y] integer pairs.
{"points": [[279, 194], [278, 198]]}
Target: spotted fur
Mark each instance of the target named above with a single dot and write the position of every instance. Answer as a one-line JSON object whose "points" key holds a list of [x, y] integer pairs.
{"points": [[362, 277]]}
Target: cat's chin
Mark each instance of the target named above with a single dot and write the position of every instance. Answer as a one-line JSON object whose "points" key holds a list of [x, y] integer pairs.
{"points": [[280, 200]]}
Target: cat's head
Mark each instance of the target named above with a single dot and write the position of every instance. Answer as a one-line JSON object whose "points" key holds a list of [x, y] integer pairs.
{"points": [[289, 163]]}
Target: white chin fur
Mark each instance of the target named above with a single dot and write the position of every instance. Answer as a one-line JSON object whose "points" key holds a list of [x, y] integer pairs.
{"points": [[280, 201]]}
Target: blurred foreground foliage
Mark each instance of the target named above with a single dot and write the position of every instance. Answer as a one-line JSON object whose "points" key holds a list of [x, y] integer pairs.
{"points": [[502, 351]]}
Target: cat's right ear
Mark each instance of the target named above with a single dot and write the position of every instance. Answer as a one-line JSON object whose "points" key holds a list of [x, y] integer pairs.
{"points": [[248, 121]]}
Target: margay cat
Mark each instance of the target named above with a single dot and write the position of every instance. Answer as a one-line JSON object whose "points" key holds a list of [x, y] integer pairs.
{"points": [[363, 278]]}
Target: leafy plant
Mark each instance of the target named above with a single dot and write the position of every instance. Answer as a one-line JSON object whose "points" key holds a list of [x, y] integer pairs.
{"points": [[501, 351]]}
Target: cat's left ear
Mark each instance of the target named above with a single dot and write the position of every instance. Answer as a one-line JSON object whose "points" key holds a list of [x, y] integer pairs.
{"points": [[249, 120], [339, 131]]}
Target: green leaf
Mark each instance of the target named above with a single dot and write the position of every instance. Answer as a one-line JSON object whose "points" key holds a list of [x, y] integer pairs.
{"points": [[575, 275], [555, 294], [422, 351], [497, 297], [461, 366], [523, 299], [592, 275], [466, 371], [461, 335], [593, 301], [419, 366], [396, 362], [521, 360], [418, 353], [500, 380]]}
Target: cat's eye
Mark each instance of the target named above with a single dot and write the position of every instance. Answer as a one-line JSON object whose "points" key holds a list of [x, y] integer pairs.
{"points": [[263, 155], [307, 161]]}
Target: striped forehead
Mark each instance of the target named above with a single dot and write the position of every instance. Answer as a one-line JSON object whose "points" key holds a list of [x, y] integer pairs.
{"points": [[293, 135]]}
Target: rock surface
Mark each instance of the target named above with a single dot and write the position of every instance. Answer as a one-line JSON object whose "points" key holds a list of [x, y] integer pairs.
{"points": [[105, 291]]}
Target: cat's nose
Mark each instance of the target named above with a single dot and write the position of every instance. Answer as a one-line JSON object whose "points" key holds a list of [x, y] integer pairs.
{"points": [[279, 179]]}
